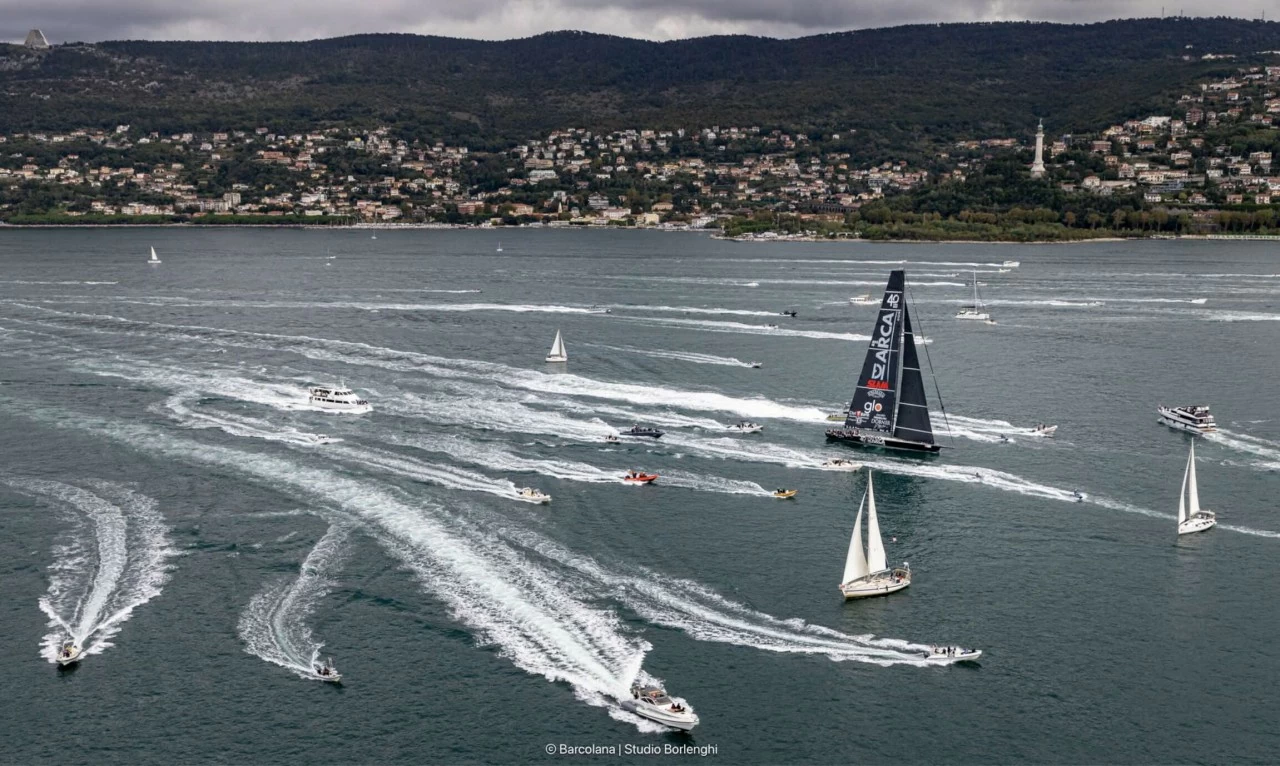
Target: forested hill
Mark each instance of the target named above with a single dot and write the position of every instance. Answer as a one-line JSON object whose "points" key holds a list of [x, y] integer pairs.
{"points": [[895, 85]]}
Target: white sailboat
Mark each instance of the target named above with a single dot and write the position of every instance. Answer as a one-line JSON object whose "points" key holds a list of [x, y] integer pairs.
{"points": [[976, 310], [557, 353], [154, 258], [499, 246], [867, 574], [1190, 516]]}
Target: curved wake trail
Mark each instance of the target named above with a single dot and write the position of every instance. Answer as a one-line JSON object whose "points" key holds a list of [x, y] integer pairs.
{"points": [[273, 626], [1253, 445], [680, 356], [742, 328], [518, 308], [178, 408], [113, 560], [696, 310], [496, 458]]}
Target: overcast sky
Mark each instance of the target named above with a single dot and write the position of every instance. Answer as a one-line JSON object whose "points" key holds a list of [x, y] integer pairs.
{"points": [[92, 20]]}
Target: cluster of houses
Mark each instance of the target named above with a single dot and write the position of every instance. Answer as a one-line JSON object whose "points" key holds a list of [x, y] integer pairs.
{"points": [[638, 177]]}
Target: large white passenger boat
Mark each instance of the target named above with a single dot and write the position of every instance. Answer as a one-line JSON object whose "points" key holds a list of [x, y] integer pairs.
{"points": [[1194, 418], [339, 399]]}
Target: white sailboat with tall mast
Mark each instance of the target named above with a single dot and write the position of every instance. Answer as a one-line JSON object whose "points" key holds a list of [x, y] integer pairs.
{"points": [[155, 259], [866, 574], [977, 310], [1191, 518], [557, 353]]}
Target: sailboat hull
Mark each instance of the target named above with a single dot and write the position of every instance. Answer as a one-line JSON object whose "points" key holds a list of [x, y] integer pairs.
{"points": [[873, 439], [879, 584], [1197, 523]]}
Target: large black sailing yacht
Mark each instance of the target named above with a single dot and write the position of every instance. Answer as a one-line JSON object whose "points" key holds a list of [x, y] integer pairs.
{"points": [[889, 408]]}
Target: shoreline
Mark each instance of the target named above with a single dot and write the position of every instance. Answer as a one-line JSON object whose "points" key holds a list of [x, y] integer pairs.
{"points": [[713, 232]]}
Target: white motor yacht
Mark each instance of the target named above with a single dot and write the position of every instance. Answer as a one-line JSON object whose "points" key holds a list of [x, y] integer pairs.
{"points": [[841, 464], [69, 653], [340, 399], [747, 427], [1194, 418], [944, 654], [652, 702], [1191, 517], [533, 495]]}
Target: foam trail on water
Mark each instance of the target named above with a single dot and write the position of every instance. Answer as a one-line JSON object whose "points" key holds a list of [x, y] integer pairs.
{"points": [[680, 356], [974, 264], [178, 407], [274, 625], [696, 310], [494, 457], [447, 476], [1253, 445], [539, 621], [408, 361], [708, 325], [519, 308], [113, 560]]}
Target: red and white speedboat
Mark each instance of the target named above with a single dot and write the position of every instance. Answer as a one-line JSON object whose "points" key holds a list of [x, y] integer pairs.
{"points": [[638, 477]]}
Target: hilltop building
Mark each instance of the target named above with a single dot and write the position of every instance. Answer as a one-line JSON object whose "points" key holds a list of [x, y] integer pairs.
{"points": [[36, 41], [1037, 167]]}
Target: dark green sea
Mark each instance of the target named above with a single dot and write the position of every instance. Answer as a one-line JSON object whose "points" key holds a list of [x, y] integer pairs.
{"points": [[165, 499]]}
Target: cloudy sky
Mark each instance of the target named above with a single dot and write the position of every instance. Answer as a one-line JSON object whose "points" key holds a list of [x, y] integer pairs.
{"points": [[91, 20]]}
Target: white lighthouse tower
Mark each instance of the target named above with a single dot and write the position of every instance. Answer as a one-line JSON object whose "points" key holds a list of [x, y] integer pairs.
{"points": [[1037, 167]]}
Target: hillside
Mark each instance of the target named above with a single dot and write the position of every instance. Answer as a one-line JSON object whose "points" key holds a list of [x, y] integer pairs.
{"points": [[895, 85]]}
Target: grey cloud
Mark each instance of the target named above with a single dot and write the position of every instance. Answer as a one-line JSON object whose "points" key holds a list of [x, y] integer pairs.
{"points": [[68, 20]]}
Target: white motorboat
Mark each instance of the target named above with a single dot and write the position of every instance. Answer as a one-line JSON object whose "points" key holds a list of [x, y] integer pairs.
{"points": [[340, 399], [863, 300], [1011, 264], [756, 365], [328, 673], [612, 439], [1044, 429], [838, 417], [944, 654], [1194, 418], [975, 311], [747, 427], [155, 259], [532, 495], [557, 353], [841, 464], [1191, 517], [866, 574], [654, 703], [69, 652]]}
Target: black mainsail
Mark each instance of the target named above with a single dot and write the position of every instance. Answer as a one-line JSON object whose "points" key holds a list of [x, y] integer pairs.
{"points": [[889, 407]]}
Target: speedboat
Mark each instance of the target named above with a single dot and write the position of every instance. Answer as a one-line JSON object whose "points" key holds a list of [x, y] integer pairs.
{"points": [[639, 477], [756, 365], [320, 439], [1044, 429], [643, 431], [340, 399], [327, 672], [1011, 264], [841, 464], [785, 494], [789, 314], [652, 702], [1194, 418], [533, 495], [69, 652], [611, 439], [863, 300], [951, 654], [838, 417], [747, 427]]}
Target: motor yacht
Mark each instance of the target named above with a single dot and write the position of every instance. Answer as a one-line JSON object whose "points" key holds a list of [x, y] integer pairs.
{"points": [[340, 399], [1194, 418]]}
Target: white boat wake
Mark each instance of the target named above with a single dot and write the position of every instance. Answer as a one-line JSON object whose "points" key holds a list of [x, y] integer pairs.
{"points": [[680, 356], [113, 559], [1252, 445], [179, 408], [742, 328], [274, 625]]}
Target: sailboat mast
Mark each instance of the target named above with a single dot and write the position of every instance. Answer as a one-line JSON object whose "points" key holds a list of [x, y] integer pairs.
{"points": [[975, 290], [902, 339]]}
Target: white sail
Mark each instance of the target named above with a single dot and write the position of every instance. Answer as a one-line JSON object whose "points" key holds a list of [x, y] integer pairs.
{"points": [[154, 258], [557, 353], [1193, 492], [875, 546], [1182, 494], [855, 563], [976, 304]]}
